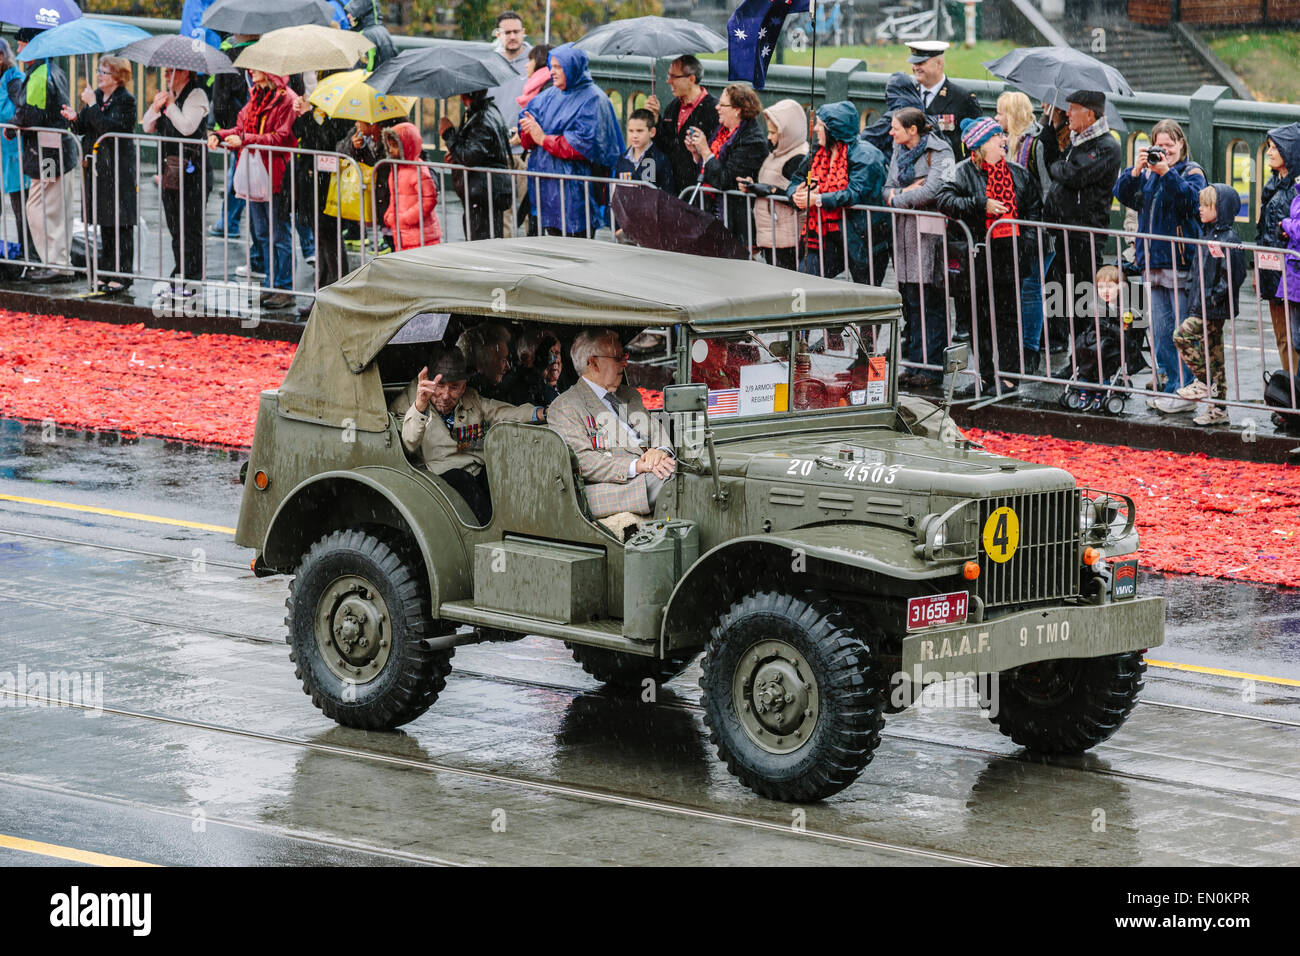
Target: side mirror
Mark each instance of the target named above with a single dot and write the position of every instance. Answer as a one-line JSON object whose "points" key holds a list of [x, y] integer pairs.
{"points": [[686, 398], [956, 357], [688, 408]]}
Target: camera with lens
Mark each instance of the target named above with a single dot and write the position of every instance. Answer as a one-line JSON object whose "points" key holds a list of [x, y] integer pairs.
{"points": [[1155, 154]]}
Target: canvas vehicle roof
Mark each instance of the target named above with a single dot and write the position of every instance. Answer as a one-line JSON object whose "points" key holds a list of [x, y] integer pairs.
{"points": [[581, 282]]}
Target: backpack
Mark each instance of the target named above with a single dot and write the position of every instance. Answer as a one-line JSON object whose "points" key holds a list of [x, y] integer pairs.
{"points": [[1277, 394]]}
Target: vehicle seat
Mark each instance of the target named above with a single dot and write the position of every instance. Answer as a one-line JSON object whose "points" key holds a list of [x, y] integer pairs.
{"points": [[533, 475]]}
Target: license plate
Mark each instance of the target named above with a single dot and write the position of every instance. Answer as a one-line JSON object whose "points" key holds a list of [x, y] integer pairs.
{"points": [[934, 610]]}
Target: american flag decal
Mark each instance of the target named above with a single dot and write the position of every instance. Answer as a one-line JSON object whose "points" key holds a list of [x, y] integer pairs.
{"points": [[724, 401]]}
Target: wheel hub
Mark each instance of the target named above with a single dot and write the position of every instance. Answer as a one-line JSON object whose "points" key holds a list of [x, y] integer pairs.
{"points": [[775, 696], [353, 629]]}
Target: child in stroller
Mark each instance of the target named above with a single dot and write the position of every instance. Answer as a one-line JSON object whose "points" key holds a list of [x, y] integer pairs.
{"points": [[1101, 363]]}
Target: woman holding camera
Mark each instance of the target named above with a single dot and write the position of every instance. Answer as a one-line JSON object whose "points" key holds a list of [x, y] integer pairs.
{"points": [[1164, 186], [736, 152]]}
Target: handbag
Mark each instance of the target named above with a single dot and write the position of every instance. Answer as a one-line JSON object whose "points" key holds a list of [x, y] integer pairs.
{"points": [[171, 173], [252, 178], [349, 196]]}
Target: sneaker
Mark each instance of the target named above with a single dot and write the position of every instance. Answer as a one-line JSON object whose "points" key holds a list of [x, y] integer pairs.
{"points": [[1172, 405], [1207, 414], [277, 300], [244, 272], [1194, 392], [219, 232]]}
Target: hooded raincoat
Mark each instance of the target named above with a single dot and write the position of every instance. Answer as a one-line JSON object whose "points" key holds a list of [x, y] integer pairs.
{"points": [[367, 20], [866, 175], [777, 225], [582, 137], [1216, 280], [1275, 204], [11, 173], [410, 213]]}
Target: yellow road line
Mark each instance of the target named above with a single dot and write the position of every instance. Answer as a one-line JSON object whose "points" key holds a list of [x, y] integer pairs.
{"points": [[135, 516], [1197, 669], [66, 852]]}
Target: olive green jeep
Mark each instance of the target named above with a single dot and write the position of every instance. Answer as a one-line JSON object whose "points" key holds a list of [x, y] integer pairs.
{"points": [[830, 548]]}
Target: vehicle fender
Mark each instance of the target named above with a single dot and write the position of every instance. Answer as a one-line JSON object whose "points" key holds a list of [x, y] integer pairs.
{"points": [[374, 496], [870, 558]]}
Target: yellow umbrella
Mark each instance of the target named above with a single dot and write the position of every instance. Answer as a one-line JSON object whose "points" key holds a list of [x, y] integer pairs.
{"points": [[348, 96]]}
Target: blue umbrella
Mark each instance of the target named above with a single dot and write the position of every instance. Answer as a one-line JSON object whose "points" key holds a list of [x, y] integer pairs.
{"points": [[39, 14], [86, 35]]}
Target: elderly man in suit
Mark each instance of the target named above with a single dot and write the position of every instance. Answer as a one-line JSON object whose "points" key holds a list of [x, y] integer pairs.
{"points": [[445, 423], [623, 456]]}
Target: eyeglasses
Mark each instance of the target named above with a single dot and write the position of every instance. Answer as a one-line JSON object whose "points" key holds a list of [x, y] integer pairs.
{"points": [[678, 76], [621, 357], [104, 71], [722, 105]]}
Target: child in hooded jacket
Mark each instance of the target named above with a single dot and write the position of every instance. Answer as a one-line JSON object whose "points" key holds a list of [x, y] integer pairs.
{"points": [[777, 224], [1214, 296], [410, 214]]}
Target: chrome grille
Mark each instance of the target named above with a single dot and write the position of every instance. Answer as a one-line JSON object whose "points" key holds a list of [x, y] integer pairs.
{"points": [[1045, 564]]}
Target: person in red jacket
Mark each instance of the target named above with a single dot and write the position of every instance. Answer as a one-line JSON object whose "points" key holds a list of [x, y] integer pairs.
{"points": [[410, 212], [267, 120]]}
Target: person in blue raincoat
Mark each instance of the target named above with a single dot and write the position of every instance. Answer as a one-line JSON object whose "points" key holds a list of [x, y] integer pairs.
{"points": [[192, 23], [577, 132], [12, 180]]}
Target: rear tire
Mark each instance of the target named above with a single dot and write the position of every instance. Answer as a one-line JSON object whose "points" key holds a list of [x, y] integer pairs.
{"points": [[790, 697], [358, 619], [1066, 706], [628, 671]]}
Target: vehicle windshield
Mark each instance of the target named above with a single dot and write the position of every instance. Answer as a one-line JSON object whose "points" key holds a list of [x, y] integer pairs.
{"points": [[838, 366]]}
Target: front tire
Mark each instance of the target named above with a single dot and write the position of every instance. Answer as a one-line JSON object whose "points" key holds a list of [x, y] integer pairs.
{"points": [[790, 698], [1066, 706], [358, 618]]}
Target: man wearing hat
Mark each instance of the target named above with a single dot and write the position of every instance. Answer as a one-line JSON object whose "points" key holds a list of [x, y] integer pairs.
{"points": [[446, 423], [1082, 180], [947, 102]]}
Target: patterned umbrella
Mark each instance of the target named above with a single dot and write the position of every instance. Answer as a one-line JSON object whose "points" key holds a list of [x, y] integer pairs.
{"points": [[255, 17], [81, 36], [299, 49], [181, 53], [349, 96]]}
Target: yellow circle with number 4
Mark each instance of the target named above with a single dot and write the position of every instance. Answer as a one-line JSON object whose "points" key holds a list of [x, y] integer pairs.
{"points": [[1001, 535]]}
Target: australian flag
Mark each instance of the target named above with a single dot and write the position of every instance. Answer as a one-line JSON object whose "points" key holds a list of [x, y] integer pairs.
{"points": [[752, 32]]}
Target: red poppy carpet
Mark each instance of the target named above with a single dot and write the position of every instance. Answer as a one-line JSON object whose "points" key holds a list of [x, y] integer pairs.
{"points": [[1196, 514]]}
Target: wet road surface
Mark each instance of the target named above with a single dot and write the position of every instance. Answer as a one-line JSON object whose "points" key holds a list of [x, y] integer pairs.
{"points": [[192, 742]]}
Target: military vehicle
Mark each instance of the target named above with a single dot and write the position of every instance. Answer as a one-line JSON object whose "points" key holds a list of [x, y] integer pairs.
{"points": [[830, 548]]}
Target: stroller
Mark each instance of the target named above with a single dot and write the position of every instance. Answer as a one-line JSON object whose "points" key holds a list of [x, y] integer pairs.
{"points": [[1092, 387]]}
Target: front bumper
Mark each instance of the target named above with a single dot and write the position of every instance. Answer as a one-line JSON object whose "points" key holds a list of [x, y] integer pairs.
{"points": [[1085, 630]]}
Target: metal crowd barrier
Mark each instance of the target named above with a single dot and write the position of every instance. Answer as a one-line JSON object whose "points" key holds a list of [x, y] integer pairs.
{"points": [[48, 199], [1134, 305]]}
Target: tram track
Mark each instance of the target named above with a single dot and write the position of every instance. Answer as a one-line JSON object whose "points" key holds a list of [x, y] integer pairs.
{"points": [[283, 833], [561, 790], [694, 707]]}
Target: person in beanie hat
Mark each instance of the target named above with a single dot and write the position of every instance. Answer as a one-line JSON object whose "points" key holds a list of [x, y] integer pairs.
{"points": [[979, 191], [445, 424], [1082, 180]]}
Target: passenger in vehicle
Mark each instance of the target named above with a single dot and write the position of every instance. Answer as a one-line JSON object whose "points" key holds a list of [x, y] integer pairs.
{"points": [[624, 457], [446, 423], [486, 349], [534, 378]]}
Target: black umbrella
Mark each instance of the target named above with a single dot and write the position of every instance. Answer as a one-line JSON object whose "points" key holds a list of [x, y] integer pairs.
{"points": [[651, 36], [255, 17], [440, 71], [180, 53], [1050, 74], [656, 219]]}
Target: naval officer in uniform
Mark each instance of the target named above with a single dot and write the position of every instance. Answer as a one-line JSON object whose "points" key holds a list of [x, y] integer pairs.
{"points": [[947, 102]]}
